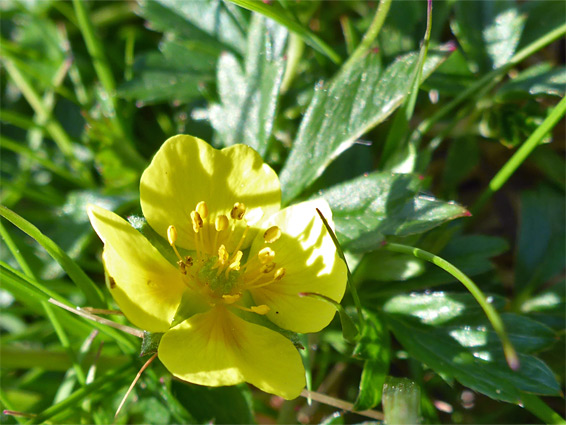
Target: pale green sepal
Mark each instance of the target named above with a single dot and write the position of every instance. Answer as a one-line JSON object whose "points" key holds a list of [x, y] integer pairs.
{"points": [[150, 342]]}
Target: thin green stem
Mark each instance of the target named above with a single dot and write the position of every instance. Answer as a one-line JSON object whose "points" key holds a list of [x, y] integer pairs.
{"points": [[541, 410], [489, 79], [490, 312], [350, 281], [522, 153], [372, 32]]}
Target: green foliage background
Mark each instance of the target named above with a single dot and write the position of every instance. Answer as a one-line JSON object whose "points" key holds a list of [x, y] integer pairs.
{"points": [[346, 101]]}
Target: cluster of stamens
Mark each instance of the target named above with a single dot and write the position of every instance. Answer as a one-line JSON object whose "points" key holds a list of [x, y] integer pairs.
{"points": [[215, 269]]}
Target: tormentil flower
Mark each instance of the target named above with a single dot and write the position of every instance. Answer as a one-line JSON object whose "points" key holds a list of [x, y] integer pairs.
{"points": [[245, 262]]}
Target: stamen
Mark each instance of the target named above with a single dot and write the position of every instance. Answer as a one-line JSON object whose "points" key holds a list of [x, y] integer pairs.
{"points": [[231, 299], [272, 234], [235, 265], [278, 275], [182, 266], [220, 224], [202, 209], [259, 309], [238, 211], [241, 241], [222, 259], [267, 268], [172, 238], [185, 263], [197, 221], [265, 255], [197, 225]]}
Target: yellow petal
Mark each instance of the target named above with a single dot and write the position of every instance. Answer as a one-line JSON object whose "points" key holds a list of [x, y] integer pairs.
{"points": [[306, 251], [218, 348], [145, 285], [187, 170]]}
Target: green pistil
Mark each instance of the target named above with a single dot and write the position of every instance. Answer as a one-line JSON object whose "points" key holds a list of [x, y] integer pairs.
{"points": [[218, 283]]}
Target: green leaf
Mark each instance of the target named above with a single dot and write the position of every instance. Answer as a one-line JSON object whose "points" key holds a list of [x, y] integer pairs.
{"points": [[447, 340], [540, 79], [279, 14], [39, 47], [374, 348], [175, 74], [208, 23], [452, 77], [249, 98], [463, 318], [388, 266], [543, 16], [370, 207], [357, 99], [222, 405], [549, 306], [542, 238], [92, 292], [438, 308], [488, 31], [463, 156]]}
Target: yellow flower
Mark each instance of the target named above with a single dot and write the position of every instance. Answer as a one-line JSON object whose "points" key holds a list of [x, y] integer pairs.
{"points": [[242, 267]]}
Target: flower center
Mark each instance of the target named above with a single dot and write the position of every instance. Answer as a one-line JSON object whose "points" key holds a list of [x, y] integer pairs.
{"points": [[218, 272]]}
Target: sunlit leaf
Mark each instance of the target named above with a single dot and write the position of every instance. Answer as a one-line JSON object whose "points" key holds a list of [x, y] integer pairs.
{"points": [[370, 207], [357, 99]]}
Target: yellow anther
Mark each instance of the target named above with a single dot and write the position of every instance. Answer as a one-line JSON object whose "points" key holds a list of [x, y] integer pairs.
{"points": [[230, 299], [235, 265], [265, 255], [172, 235], [172, 238], [272, 234], [267, 268], [221, 223], [238, 211], [260, 309], [279, 273], [189, 260], [222, 259], [202, 209], [222, 254], [197, 221]]}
